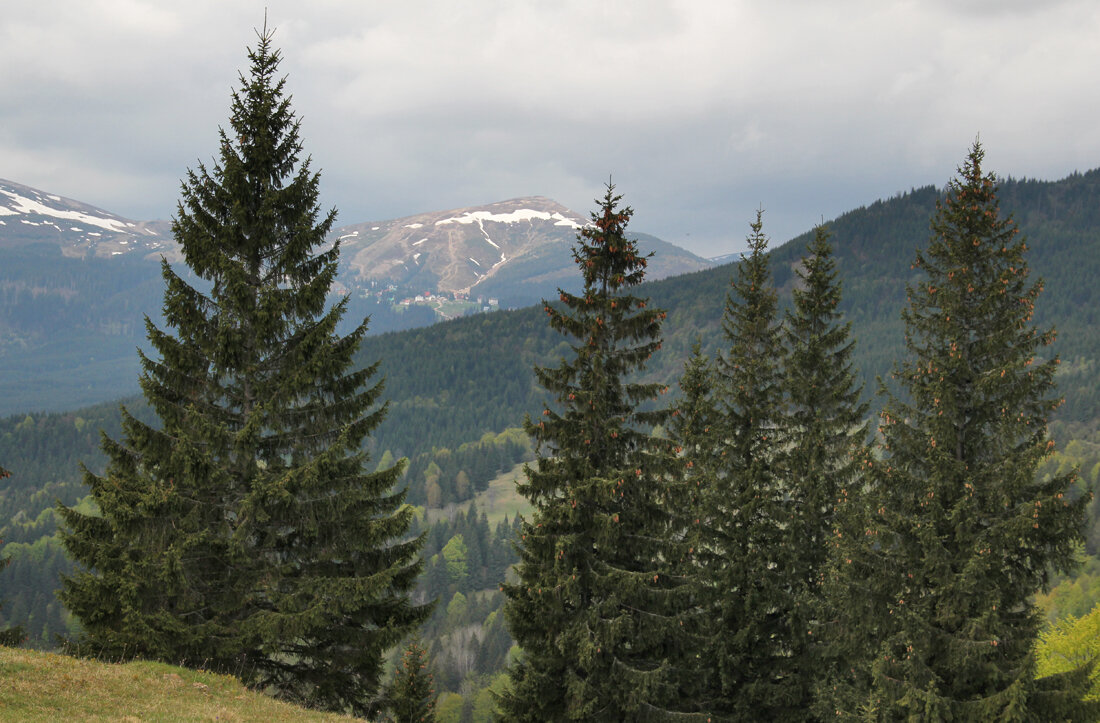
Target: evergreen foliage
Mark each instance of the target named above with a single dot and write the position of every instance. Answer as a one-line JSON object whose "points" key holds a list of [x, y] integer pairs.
{"points": [[825, 422], [596, 608], [244, 533], [744, 511], [958, 531], [694, 428], [12, 635], [412, 693]]}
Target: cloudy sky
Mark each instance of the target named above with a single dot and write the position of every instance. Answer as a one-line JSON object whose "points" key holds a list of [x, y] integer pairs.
{"points": [[700, 110]]}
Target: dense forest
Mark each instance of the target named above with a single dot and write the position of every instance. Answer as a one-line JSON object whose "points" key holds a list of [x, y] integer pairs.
{"points": [[453, 388]]}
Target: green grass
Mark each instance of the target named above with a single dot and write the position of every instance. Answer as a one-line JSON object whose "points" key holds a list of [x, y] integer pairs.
{"points": [[38, 686], [498, 501]]}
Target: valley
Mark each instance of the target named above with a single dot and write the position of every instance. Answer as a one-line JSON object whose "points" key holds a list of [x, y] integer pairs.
{"points": [[458, 390]]}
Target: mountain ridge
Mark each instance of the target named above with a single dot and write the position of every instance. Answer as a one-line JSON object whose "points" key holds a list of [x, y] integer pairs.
{"points": [[88, 230], [76, 281], [446, 251]]}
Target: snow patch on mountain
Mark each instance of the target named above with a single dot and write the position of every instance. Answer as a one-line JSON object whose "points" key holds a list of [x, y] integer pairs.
{"points": [[520, 214], [24, 205]]}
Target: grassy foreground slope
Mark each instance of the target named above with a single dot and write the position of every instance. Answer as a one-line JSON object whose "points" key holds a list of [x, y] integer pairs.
{"points": [[37, 686]]}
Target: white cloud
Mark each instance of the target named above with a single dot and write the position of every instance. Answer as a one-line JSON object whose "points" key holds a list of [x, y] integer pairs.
{"points": [[702, 110]]}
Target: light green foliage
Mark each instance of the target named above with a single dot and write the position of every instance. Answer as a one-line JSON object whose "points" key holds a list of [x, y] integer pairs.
{"points": [[14, 635], [456, 610], [455, 553], [1070, 644], [1073, 596], [449, 709]]}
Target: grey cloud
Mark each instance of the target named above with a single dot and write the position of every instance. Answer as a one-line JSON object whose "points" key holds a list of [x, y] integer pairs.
{"points": [[703, 111]]}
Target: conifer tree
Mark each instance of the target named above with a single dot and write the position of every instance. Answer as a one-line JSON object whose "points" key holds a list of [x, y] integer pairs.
{"points": [[744, 511], [245, 533], [824, 429], [11, 635], [694, 423], [694, 429], [596, 606], [959, 533], [412, 693]]}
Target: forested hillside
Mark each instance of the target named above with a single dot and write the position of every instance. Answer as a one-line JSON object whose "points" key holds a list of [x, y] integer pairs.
{"points": [[452, 382], [454, 388]]}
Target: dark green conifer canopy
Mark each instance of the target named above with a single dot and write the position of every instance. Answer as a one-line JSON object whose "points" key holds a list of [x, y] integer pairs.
{"points": [[597, 606], [244, 532], [958, 533]]}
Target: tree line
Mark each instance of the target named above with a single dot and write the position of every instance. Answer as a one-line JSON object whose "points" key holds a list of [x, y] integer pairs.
{"points": [[767, 558]]}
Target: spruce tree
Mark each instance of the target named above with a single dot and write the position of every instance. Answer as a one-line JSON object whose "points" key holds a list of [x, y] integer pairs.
{"points": [[596, 607], [694, 423], [825, 428], [412, 693], [244, 533], [694, 430], [744, 512], [959, 533]]}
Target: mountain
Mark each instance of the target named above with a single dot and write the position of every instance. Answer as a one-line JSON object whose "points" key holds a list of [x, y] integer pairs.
{"points": [[455, 381], [29, 216], [76, 282], [518, 249]]}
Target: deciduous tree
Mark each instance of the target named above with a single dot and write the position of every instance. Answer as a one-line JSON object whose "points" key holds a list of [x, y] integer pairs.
{"points": [[11, 635]]}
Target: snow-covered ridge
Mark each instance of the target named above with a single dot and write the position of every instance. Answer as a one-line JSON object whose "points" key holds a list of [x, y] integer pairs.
{"points": [[24, 205], [520, 214]]}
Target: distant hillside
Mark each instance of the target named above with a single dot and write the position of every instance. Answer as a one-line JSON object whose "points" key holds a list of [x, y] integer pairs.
{"points": [[516, 250], [31, 217], [76, 281], [453, 381]]}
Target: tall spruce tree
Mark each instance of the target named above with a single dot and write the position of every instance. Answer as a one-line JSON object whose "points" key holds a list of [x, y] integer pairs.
{"points": [[596, 608], [244, 533], [959, 533], [745, 511], [825, 428]]}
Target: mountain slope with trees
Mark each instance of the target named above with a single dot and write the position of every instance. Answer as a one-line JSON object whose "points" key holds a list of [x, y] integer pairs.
{"points": [[455, 383]]}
